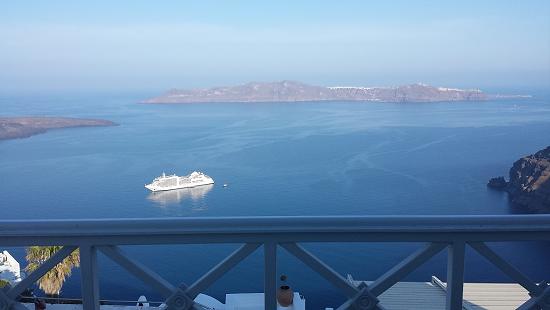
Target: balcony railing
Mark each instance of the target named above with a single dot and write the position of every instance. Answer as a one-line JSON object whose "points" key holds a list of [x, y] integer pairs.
{"points": [[453, 233]]}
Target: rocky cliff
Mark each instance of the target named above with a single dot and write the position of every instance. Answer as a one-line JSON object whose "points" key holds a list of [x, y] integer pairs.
{"points": [[22, 127], [289, 91], [529, 182]]}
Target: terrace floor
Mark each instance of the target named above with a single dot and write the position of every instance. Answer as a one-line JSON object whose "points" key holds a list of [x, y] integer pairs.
{"points": [[431, 296]]}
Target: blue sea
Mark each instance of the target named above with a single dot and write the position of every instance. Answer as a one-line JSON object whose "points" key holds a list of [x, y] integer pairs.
{"points": [[318, 158]]}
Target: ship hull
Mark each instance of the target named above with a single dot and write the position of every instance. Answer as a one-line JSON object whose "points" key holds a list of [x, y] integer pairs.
{"points": [[169, 188]]}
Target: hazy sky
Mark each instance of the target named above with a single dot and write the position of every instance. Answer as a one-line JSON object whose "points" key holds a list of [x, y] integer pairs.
{"points": [[150, 45]]}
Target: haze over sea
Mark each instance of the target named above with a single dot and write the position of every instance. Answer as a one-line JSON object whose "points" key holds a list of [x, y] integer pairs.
{"points": [[318, 158]]}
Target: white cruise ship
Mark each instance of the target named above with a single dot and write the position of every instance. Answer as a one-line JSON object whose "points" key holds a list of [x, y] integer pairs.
{"points": [[170, 182]]}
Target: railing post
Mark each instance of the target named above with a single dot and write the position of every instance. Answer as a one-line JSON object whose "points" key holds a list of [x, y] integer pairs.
{"points": [[455, 275], [270, 276], [89, 279]]}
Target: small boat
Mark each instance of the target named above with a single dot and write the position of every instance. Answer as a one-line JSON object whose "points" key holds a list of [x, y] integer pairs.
{"points": [[170, 182], [142, 302]]}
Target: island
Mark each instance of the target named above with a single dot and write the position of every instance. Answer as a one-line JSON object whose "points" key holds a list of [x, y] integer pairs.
{"points": [[23, 127], [529, 182], [290, 91]]}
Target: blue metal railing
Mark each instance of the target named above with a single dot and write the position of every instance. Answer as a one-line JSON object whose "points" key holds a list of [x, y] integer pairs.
{"points": [[453, 233]]}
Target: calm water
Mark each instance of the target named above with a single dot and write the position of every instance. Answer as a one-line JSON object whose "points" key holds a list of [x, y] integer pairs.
{"points": [[278, 159]]}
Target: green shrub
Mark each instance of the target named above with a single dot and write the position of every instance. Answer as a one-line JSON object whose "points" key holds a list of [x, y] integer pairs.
{"points": [[3, 283]]}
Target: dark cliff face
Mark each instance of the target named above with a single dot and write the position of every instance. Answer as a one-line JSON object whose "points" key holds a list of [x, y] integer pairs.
{"points": [[529, 183]]}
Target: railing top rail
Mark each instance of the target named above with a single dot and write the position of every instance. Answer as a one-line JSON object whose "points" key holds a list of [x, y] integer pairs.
{"points": [[275, 225]]}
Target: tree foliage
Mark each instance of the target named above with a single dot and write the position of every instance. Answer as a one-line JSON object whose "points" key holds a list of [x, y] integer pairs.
{"points": [[52, 282]]}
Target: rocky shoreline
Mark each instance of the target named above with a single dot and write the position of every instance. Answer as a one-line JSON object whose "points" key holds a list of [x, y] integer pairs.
{"points": [[529, 182], [23, 127]]}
